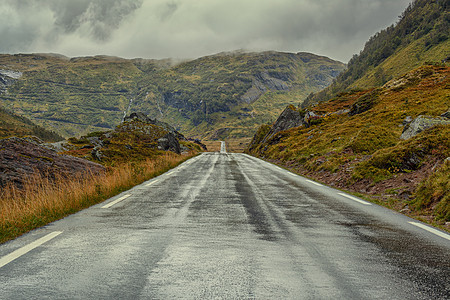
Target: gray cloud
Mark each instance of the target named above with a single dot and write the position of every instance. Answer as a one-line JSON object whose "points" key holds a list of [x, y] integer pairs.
{"points": [[192, 28]]}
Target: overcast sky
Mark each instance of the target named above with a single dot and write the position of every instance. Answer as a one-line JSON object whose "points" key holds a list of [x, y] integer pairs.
{"points": [[192, 28]]}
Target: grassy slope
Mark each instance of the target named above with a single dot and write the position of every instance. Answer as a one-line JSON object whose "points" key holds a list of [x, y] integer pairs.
{"points": [[78, 96], [408, 58], [363, 152], [13, 125]]}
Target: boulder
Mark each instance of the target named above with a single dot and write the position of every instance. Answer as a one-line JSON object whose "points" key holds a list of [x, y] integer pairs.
{"points": [[169, 142], [22, 157], [422, 123], [289, 118]]}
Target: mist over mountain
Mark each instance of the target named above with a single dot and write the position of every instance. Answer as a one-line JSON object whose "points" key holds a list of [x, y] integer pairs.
{"points": [[191, 29]]}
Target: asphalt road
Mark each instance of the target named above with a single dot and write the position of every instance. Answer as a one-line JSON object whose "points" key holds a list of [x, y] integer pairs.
{"points": [[229, 226]]}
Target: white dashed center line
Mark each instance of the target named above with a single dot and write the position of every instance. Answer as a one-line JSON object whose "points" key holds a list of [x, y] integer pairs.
{"points": [[153, 182], [25, 249], [116, 201]]}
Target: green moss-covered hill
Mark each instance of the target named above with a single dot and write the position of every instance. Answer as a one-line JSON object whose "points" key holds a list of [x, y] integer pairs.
{"points": [[421, 35], [224, 95]]}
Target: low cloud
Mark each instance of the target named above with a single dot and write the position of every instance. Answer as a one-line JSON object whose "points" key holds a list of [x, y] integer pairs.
{"points": [[192, 28]]}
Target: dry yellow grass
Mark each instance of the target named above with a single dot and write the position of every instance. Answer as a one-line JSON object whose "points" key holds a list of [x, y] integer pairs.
{"points": [[42, 200], [237, 145], [213, 146]]}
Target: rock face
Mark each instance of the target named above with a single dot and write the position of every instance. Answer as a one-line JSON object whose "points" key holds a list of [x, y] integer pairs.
{"points": [[420, 124], [289, 118], [169, 142], [22, 157], [7, 78]]}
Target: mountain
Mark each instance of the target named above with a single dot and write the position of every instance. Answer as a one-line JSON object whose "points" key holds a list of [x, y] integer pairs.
{"points": [[223, 95], [420, 36]]}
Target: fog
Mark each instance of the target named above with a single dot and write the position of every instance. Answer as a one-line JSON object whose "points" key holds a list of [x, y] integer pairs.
{"points": [[192, 28]]}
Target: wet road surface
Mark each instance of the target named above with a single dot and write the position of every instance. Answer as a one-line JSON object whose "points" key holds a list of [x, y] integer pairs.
{"points": [[229, 226]]}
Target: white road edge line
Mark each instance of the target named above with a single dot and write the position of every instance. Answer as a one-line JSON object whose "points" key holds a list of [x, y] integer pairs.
{"points": [[432, 230], [313, 182], [153, 182], [355, 199], [25, 249], [170, 173], [116, 201]]}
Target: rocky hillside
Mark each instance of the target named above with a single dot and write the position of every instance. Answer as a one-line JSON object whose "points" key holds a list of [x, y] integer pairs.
{"points": [[218, 96], [22, 158], [391, 142], [422, 35], [137, 138]]}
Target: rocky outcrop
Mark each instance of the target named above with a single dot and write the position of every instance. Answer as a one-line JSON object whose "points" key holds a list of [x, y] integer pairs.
{"points": [[422, 123], [263, 82], [145, 119], [289, 118], [169, 142], [8, 78], [22, 157]]}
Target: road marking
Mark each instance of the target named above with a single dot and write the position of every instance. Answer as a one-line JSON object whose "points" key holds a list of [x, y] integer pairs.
{"points": [[355, 199], [25, 249], [153, 182], [432, 230], [313, 182], [116, 201], [171, 172]]}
